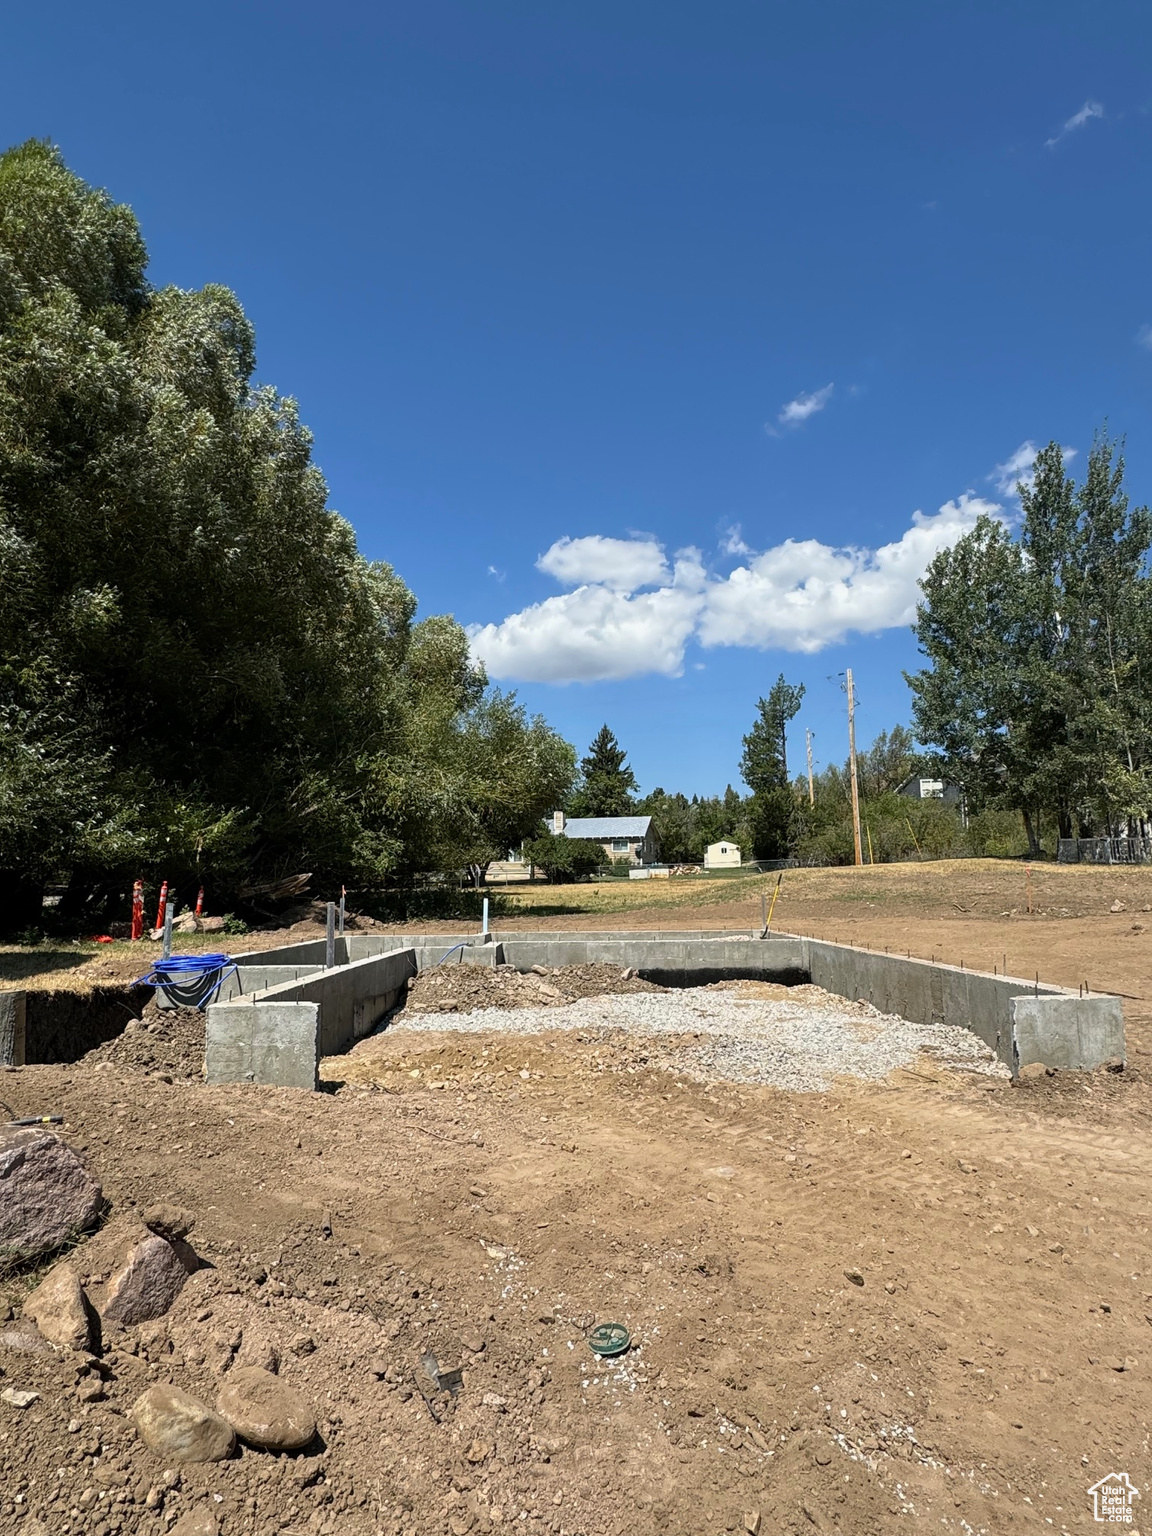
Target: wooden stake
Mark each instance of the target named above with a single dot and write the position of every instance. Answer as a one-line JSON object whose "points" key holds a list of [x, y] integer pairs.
{"points": [[852, 769], [811, 786]]}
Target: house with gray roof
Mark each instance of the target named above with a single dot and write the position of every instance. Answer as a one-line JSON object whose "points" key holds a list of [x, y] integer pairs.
{"points": [[621, 837]]}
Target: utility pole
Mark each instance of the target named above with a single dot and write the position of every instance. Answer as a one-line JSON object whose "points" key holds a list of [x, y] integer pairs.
{"points": [[852, 768], [811, 788]]}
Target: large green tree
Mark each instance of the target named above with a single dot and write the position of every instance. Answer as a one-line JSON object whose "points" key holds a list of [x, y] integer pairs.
{"points": [[1036, 692], [607, 784], [200, 676]]}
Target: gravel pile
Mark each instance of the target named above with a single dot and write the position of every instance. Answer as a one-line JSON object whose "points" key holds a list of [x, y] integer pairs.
{"points": [[801, 1042]]}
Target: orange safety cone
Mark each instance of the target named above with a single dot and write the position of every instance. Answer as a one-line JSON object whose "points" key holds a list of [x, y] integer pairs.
{"points": [[163, 907], [138, 910], [200, 903]]}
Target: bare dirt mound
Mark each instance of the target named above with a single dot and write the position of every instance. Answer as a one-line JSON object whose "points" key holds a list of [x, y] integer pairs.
{"points": [[461, 988], [168, 1042]]}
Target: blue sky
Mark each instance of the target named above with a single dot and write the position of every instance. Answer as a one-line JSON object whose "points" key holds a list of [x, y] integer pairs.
{"points": [[703, 278]]}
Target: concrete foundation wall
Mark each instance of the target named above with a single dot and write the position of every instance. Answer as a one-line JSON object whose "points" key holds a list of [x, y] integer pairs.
{"points": [[1019, 1020], [307, 952], [350, 999], [670, 960]]}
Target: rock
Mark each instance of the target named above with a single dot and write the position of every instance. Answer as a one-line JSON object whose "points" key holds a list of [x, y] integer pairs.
{"points": [[472, 1339], [258, 1351], [854, 1276], [752, 1522], [91, 1390], [197, 1522], [478, 1451], [171, 1222], [179, 1427], [146, 1284], [47, 1196], [264, 1411], [303, 1344], [60, 1309], [17, 1399], [1117, 906], [1032, 1072], [25, 1338]]}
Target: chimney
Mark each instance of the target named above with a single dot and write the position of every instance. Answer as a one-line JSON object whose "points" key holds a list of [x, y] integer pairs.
{"points": [[557, 822]]}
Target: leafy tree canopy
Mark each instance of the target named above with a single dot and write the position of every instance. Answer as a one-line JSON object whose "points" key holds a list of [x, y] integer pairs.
{"points": [[200, 676], [1039, 646]]}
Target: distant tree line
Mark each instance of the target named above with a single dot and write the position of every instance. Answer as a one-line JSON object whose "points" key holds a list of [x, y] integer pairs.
{"points": [[200, 676]]}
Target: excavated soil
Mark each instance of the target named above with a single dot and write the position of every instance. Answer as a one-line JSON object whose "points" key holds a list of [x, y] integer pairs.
{"points": [[168, 1042], [461, 988], [918, 1303]]}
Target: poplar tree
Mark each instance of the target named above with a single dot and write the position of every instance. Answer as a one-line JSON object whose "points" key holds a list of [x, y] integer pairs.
{"points": [[1036, 695]]}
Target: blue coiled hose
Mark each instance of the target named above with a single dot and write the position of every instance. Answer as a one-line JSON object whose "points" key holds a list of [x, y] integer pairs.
{"points": [[189, 981]]}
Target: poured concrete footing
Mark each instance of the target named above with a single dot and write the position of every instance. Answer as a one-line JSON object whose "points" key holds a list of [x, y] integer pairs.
{"points": [[1023, 1022]]}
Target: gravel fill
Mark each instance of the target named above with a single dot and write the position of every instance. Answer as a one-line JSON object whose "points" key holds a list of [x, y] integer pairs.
{"points": [[803, 1041]]}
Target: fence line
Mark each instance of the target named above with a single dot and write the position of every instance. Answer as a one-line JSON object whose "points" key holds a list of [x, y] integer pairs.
{"points": [[1104, 850]]}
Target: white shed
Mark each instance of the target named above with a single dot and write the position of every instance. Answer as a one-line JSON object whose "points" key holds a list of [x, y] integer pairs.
{"points": [[722, 856]]}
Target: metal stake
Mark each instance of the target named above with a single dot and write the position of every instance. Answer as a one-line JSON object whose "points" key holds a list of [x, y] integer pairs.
{"points": [[166, 950], [330, 937]]}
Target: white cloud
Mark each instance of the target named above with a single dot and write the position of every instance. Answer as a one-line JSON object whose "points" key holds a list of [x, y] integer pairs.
{"points": [[1087, 112], [1018, 466], [1144, 337], [733, 542], [594, 634], [622, 564], [801, 595], [799, 410]]}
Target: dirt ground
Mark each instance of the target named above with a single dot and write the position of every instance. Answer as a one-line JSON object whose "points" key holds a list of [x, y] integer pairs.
{"points": [[992, 1365]]}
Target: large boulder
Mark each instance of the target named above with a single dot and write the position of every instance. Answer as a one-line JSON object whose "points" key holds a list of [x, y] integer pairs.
{"points": [[264, 1411], [179, 1427], [60, 1309], [47, 1196]]}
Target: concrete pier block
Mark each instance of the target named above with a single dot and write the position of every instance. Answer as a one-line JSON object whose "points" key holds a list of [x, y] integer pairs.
{"points": [[272, 1042], [1066, 1032]]}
